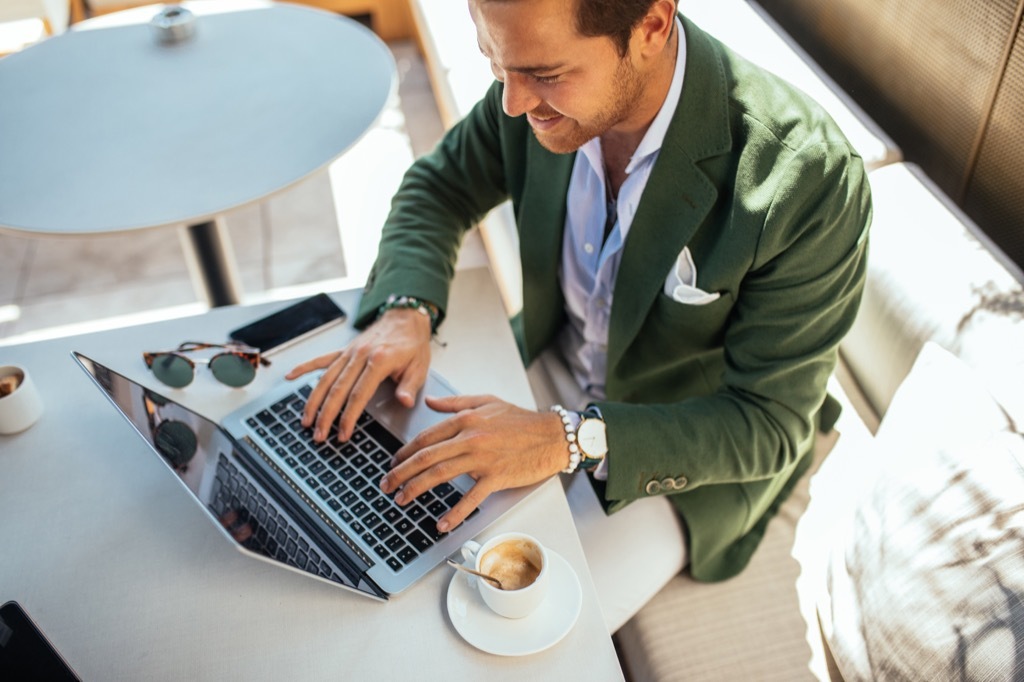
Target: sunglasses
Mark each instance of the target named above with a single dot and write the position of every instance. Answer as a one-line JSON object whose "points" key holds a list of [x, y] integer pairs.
{"points": [[174, 439], [235, 366]]}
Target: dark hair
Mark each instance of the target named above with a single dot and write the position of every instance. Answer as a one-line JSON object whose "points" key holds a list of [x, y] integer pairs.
{"points": [[613, 18]]}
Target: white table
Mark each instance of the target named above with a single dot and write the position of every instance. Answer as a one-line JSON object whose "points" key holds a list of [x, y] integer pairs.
{"points": [[80, 494], [107, 130]]}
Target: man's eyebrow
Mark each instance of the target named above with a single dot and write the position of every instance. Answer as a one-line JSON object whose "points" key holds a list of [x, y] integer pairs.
{"points": [[528, 70]]}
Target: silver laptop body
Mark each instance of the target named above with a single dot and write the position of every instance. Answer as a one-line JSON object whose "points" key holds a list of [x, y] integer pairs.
{"points": [[312, 508]]}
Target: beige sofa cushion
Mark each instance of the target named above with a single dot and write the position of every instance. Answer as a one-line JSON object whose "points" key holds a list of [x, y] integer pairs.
{"points": [[746, 628], [927, 580], [759, 625]]}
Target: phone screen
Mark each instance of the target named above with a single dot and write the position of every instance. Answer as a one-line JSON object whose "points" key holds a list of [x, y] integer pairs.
{"points": [[25, 653], [290, 324]]}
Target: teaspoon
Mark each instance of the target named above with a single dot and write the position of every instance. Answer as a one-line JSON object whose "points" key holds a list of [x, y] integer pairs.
{"points": [[455, 564]]}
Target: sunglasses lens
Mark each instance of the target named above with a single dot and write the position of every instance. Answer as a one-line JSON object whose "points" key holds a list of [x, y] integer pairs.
{"points": [[232, 370], [173, 370], [176, 442]]}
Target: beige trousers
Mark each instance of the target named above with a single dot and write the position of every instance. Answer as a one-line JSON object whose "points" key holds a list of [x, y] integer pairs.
{"points": [[633, 553]]}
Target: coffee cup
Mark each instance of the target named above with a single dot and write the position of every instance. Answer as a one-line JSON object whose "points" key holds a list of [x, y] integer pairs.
{"points": [[20, 404], [520, 563]]}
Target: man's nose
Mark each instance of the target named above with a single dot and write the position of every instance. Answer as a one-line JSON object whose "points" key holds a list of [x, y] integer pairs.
{"points": [[518, 98]]}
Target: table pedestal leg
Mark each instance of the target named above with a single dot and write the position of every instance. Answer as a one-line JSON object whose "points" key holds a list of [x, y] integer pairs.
{"points": [[212, 262]]}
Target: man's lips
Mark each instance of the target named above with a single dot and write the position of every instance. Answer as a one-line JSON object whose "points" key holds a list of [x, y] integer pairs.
{"points": [[544, 124]]}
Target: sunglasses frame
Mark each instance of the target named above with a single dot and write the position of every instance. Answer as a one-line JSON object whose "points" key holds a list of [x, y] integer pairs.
{"points": [[239, 350]]}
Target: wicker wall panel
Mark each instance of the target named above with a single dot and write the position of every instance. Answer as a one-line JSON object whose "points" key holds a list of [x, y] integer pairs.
{"points": [[995, 193], [924, 69]]}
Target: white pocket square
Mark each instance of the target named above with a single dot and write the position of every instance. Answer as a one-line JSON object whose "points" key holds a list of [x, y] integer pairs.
{"points": [[681, 283]]}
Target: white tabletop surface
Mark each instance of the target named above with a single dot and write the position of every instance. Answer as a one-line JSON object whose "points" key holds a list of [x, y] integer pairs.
{"points": [[105, 130], [80, 493]]}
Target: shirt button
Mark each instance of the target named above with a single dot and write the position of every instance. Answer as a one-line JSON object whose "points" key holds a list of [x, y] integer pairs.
{"points": [[653, 488], [589, 248]]}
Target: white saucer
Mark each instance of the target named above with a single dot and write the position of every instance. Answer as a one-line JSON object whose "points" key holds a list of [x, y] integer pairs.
{"points": [[495, 634]]}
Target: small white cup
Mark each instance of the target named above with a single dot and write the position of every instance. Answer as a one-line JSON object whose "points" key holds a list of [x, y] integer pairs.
{"points": [[509, 603], [22, 408]]}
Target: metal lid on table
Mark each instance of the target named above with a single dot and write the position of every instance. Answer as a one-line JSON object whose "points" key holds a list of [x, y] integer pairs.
{"points": [[173, 24]]}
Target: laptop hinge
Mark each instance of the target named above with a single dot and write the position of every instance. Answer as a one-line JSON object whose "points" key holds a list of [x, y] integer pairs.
{"points": [[328, 534]]}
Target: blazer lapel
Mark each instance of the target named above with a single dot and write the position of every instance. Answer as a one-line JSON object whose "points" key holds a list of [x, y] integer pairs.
{"points": [[678, 195]]}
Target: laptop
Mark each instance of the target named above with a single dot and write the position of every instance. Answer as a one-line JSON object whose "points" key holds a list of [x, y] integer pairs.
{"points": [[312, 508]]}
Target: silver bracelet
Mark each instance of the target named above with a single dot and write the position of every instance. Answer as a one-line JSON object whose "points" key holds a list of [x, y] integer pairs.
{"points": [[570, 437]]}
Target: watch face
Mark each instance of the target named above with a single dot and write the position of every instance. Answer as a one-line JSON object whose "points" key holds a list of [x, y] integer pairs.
{"points": [[591, 438]]}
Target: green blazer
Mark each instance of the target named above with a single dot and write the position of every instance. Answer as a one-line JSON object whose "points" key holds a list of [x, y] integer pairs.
{"points": [[722, 398]]}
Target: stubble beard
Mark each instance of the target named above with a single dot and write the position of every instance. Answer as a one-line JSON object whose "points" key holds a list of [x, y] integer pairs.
{"points": [[628, 87]]}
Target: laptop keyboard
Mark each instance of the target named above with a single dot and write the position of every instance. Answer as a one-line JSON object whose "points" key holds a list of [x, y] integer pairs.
{"points": [[237, 503], [346, 476]]}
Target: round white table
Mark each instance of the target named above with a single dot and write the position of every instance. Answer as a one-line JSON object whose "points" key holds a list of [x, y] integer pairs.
{"points": [[109, 129]]}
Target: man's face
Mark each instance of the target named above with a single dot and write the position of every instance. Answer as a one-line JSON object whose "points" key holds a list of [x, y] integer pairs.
{"points": [[570, 87]]}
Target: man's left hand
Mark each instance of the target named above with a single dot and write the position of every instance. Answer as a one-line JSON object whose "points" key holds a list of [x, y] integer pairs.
{"points": [[496, 443]]}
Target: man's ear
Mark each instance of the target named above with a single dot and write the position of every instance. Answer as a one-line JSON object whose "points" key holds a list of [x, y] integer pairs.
{"points": [[654, 32]]}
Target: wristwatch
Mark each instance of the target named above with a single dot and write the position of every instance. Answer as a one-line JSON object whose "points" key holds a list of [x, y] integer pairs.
{"points": [[591, 438]]}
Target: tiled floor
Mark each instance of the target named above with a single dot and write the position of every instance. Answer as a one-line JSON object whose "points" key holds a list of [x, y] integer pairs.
{"points": [[290, 242]]}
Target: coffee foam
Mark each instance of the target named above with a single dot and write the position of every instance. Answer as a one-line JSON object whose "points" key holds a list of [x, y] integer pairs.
{"points": [[516, 563], [9, 384]]}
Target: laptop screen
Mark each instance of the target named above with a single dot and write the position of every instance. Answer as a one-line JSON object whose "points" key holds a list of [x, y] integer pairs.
{"points": [[209, 464], [187, 442]]}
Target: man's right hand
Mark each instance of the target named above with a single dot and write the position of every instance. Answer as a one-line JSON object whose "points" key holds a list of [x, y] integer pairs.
{"points": [[396, 346]]}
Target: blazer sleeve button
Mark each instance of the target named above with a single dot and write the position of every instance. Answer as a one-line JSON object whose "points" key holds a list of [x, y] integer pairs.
{"points": [[681, 482], [668, 484], [653, 488]]}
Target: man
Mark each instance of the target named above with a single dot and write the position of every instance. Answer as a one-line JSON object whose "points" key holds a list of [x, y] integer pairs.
{"points": [[693, 241]]}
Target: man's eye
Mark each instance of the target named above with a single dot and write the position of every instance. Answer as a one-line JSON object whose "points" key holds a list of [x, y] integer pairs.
{"points": [[546, 79]]}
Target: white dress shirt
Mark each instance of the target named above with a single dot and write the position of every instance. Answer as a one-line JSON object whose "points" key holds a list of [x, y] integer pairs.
{"points": [[589, 268]]}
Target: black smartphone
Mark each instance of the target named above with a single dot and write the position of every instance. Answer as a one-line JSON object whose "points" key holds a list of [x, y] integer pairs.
{"points": [[290, 325], [25, 653]]}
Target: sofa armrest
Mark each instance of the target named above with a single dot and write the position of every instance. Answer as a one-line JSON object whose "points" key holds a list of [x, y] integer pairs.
{"points": [[750, 31], [932, 276]]}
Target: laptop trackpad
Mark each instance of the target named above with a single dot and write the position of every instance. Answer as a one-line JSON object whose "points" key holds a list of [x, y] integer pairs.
{"points": [[404, 422]]}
